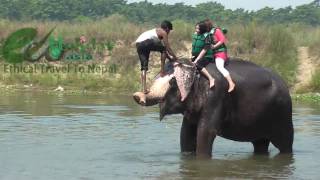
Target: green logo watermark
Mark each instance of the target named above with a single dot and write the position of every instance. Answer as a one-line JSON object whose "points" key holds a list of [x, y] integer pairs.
{"points": [[67, 68], [23, 45]]}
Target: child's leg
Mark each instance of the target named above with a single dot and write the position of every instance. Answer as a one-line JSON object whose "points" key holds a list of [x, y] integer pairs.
{"points": [[210, 78], [225, 73], [201, 64], [231, 83]]}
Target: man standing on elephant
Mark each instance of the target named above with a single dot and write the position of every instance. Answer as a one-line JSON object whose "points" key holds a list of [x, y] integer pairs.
{"points": [[154, 40]]}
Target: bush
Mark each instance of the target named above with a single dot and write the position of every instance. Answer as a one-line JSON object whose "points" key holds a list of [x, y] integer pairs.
{"points": [[314, 49], [315, 82], [280, 53]]}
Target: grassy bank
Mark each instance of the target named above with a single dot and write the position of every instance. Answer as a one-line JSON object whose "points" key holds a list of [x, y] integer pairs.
{"points": [[315, 52], [273, 47], [307, 97], [71, 76], [310, 37]]}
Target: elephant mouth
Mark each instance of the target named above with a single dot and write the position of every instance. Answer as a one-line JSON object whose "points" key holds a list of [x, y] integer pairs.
{"points": [[162, 111]]}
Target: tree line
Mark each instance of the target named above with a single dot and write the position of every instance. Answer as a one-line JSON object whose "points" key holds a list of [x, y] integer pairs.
{"points": [[144, 11]]}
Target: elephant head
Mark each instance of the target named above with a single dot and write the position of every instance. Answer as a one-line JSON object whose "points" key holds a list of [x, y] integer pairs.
{"points": [[173, 88]]}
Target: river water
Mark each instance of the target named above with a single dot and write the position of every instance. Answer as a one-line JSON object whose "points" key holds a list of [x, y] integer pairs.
{"points": [[46, 137]]}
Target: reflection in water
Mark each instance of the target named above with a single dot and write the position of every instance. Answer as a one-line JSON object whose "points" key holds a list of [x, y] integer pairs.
{"points": [[42, 104], [253, 166], [70, 137], [308, 119]]}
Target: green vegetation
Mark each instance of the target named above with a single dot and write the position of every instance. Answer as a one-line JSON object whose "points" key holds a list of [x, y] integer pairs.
{"points": [[270, 46], [308, 97], [281, 53], [122, 72], [269, 37], [91, 77], [315, 53], [144, 11], [315, 81], [315, 44]]}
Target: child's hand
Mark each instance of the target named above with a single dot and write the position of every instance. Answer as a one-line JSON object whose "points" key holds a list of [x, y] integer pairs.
{"points": [[170, 57], [195, 61]]}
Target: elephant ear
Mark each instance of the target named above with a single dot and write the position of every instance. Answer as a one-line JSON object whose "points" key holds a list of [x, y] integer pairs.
{"points": [[184, 75]]}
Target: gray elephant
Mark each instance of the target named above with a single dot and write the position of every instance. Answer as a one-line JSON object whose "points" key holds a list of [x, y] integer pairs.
{"points": [[259, 110]]}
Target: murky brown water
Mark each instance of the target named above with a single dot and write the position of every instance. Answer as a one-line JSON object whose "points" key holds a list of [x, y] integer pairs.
{"points": [[109, 137]]}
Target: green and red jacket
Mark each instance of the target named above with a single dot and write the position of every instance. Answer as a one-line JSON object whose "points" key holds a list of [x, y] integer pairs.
{"points": [[201, 41]]}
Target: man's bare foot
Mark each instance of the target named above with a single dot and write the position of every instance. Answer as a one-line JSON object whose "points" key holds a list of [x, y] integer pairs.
{"points": [[231, 87], [211, 83]]}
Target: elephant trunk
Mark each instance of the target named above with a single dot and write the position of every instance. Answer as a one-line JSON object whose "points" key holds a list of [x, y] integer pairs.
{"points": [[156, 94], [145, 99]]}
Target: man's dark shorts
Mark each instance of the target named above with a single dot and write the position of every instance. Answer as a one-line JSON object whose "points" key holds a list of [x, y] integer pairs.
{"points": [[203, 62], [144, 48]]}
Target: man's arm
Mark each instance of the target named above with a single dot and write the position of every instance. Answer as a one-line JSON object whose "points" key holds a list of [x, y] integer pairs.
{"points": [[168, 52], [167, 45]]}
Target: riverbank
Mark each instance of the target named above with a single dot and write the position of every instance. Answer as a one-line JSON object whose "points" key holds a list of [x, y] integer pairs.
{"points": [[71, 83], [66, 90], [313, 98], [115, 67], [306, 97]]}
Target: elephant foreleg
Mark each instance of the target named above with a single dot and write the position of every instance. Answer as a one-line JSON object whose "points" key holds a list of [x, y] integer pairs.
{"points": [[208, 129], [188, 136], [205, 138], [261, 146]]}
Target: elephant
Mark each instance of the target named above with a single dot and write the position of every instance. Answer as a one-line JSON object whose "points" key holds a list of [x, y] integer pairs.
{"points": [[258, 110]]}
